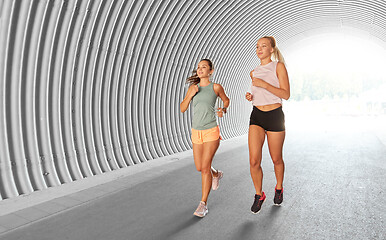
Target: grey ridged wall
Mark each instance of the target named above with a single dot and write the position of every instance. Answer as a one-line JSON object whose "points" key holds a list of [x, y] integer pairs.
{"points": [[90, 86]]}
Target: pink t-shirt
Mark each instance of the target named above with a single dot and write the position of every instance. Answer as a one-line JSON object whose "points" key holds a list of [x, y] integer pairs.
{"points": [[260, 95]]}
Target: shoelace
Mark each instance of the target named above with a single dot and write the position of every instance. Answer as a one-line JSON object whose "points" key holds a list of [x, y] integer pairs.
{"points": [[278, 194], [257, 199], [201, 208]]}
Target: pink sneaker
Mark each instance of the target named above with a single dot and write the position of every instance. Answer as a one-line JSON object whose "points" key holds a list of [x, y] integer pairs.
{"points": [[201, 210], [216, 180]]}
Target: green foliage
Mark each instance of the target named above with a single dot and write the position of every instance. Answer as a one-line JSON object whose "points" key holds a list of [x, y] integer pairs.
{"points": [[322, 85]]}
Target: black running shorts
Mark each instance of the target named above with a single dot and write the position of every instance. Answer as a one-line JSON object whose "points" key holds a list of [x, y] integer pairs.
{"points": [[272, 121]]}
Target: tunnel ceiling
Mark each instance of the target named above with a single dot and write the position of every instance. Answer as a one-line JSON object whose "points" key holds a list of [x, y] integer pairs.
{"points": [[91, 86]]}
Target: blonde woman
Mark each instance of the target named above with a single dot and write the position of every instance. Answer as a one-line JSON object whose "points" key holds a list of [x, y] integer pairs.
{"points": [[270, 85]]}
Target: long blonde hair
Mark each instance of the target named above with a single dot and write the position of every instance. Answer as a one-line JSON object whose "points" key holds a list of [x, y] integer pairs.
{"points": [[276, 52]]}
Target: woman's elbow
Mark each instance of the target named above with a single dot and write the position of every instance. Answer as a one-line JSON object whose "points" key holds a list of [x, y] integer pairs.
{"points": [[287, 96]]}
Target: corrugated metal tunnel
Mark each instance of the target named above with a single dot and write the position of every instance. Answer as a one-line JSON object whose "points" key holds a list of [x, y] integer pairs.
{"points": [[91, 86]]}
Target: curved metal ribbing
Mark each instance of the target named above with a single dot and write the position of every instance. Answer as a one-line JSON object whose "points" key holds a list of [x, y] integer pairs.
{"points": [[90, 86]]}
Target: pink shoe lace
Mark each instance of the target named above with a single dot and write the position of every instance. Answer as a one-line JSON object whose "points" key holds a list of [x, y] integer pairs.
{"points": [[201, 210]]}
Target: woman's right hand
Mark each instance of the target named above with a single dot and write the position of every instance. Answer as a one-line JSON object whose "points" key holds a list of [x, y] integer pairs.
{"points": [[193, 90], [248, 96]]}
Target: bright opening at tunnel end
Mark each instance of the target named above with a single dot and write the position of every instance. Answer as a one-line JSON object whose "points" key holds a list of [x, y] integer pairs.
{"points": [[337, 80]]}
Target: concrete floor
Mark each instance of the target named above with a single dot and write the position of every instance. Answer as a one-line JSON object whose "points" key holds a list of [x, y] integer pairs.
{"points": [[334, 189]]}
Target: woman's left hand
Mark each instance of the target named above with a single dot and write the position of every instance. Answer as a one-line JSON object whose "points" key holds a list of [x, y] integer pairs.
{"points": [[257, 82], [220, 112]]}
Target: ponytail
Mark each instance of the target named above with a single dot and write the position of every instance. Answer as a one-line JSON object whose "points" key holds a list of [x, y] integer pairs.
{"points": [[277, 55], [276, 52], [194, 79]]}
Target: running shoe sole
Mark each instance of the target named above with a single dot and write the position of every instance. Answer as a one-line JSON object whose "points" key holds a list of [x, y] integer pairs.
{"points": [[201, 216]]}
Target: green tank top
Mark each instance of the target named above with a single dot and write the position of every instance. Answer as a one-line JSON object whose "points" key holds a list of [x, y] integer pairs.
{"points": [[204, 113]]}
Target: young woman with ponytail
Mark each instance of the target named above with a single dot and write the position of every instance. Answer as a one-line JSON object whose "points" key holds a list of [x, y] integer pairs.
{"points": [[205, 132], [270, 85]]}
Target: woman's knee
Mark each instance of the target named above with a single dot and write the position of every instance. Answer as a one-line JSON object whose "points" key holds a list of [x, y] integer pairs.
{"points": [[205, 170], [277, 160], [254, 163]]}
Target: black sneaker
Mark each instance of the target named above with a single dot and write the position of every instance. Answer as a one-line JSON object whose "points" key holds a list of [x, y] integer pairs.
{"points": [[257, 203], [278, 199]]}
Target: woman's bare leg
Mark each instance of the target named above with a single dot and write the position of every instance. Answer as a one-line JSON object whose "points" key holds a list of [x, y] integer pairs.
{"points": [[256, 137], [209, 149], [275, 144]]}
